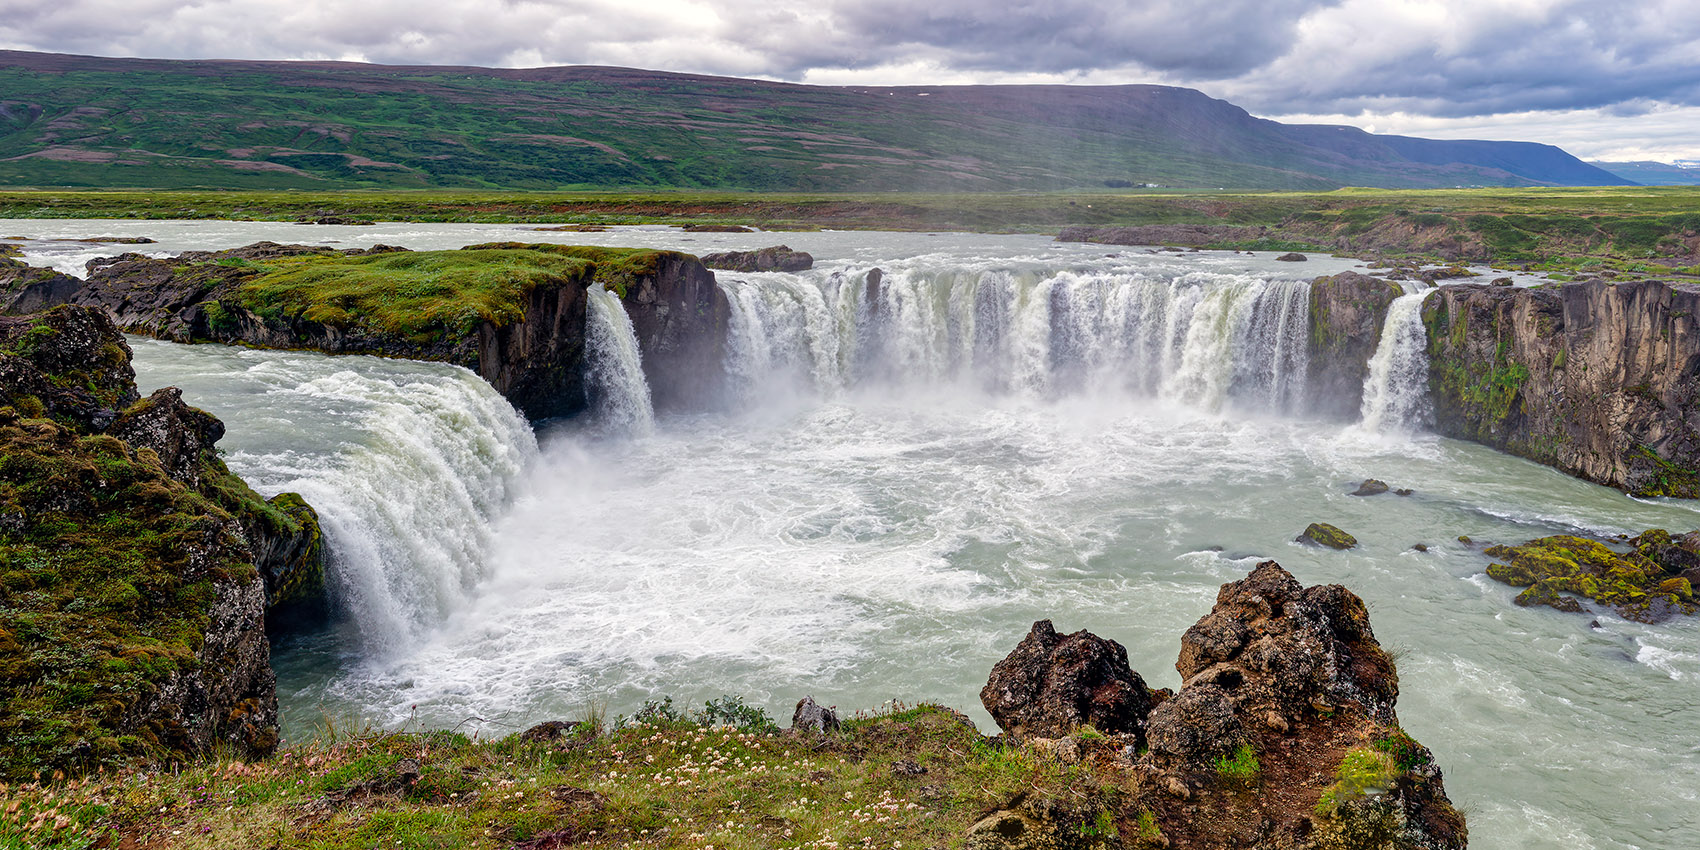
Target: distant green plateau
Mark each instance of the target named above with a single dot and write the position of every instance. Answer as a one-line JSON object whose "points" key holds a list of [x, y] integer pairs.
{"points": [[69, 121]]}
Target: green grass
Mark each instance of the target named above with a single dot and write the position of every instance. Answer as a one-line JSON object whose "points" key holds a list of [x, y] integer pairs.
{"points": [[417, 295], [1240, 767], [669, 782]]}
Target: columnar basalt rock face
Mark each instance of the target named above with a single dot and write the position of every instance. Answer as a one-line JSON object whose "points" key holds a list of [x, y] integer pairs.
{"points": [[1597, 379], [1347, 312], [1283, 735]]}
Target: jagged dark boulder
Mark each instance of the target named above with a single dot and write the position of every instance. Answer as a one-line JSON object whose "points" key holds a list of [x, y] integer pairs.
{"points": [[28, 289], [777, 258], [810, 716], [1292, 257], [1053, 684], [1372, 487], [69, 364]]}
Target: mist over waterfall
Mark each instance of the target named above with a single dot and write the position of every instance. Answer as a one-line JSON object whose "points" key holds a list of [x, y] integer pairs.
{"points": [[619, 395], [1204, 339], [1396, 389]]}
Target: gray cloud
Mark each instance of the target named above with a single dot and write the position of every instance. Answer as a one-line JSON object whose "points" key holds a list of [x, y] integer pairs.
{"points": [[1443, 58]]}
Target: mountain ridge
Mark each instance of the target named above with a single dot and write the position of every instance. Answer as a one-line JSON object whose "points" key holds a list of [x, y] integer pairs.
{"points": [[160, 123]]}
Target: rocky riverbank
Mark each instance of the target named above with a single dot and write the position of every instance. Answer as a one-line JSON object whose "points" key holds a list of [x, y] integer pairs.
{"points": [[138, 572], [1282, 737]]}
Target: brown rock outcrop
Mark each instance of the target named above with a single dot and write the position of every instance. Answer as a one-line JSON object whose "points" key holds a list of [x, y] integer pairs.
{"points": [[1054, 684], [777, 258], [1600, 380]]}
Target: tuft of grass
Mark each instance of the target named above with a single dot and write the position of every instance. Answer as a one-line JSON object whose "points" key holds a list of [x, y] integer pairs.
{"points": [[1363, 772], [1241, 766]]}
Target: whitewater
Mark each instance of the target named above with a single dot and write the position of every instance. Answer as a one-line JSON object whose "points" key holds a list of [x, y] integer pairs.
{"points": [[904, 476]]}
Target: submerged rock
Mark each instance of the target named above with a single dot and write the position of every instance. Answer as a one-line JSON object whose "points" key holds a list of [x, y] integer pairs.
{"points": [[1054, 684], [1292, 257], [1323, 534]]}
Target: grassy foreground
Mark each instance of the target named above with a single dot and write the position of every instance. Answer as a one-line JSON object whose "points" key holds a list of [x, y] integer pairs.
{"points": [[725, 777]]}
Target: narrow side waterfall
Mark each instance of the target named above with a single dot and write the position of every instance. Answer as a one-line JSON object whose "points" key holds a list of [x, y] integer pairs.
{"points": [[1396, 389], [408, 465], [619, 395], [1203, 339]]}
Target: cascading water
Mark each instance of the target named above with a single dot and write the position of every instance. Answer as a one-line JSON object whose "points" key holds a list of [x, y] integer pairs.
{"points": [[614, 367], [407, 465], [1396, 388], [1204, 339]]}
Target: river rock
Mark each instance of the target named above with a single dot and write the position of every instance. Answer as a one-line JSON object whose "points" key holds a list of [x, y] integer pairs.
{"points": [[777, 258], [1371, 487], [1053, 684], [1292, 257], [1599, 380], [1323, 534]]}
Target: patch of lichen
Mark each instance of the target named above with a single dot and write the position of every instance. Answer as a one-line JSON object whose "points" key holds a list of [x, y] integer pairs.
{"points": [[426, 297], [1555, 570], [1323, 534], [107, 572]]}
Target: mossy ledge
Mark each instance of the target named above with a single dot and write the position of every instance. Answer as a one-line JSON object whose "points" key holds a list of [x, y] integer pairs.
{"points": [[1651, 582], [1600, 380], [132, 614], [1282, 737], [512, 312]]}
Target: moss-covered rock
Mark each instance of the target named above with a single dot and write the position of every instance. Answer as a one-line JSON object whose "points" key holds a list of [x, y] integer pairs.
{"points": [[1323, 534], [1648, 583]]}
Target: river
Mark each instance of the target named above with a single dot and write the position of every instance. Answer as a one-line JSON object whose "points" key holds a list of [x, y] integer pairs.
{"points": [[1015, 430]]}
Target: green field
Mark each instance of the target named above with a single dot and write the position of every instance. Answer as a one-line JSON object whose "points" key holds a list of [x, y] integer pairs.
{"points": [[1641, 229]]}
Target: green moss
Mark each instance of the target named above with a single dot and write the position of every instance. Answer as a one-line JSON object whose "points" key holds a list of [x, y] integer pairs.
{"points": [[100, 602], [426, 297], [1362, 772], [1667, 478], [1323, 534], [1556, 569]]}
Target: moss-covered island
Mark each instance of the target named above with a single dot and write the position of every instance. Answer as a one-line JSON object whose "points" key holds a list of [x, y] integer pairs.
{"points": [[1651, 582], [136, 572]]}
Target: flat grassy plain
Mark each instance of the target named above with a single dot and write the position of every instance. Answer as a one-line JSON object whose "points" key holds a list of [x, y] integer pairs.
{"points": [[1636, 230]]}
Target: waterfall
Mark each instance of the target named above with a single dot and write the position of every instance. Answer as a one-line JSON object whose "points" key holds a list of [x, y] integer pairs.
{"points": [[1204, 339], [619, 395], [1396, 389]]}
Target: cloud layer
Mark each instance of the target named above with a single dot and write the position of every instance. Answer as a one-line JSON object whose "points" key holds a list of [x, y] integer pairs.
{"points": [[1359, 60]]}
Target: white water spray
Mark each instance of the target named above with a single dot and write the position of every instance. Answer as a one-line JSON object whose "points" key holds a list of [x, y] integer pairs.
{"points": [[614, 368], [1396, 388]]}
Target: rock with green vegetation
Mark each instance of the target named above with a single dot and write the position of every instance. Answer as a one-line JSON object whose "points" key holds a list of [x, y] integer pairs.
{"points": [[132, 615], [1323, 534], [1650, 583], [29, 289], [1347, 312], [1374, 487], [512, 312], [1599, 380]]}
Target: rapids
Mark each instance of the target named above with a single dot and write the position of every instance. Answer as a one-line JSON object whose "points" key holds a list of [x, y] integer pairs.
{"points": [[1010, 430]]}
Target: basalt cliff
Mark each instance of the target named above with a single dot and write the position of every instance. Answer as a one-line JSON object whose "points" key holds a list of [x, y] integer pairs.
{"points": [[1600, 380]]}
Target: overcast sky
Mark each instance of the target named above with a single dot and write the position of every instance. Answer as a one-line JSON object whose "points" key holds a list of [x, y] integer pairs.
{"points": [[1605, 79]]}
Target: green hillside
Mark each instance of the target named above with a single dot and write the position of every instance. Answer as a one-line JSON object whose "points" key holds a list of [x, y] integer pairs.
{"points": [[69, 121]]}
